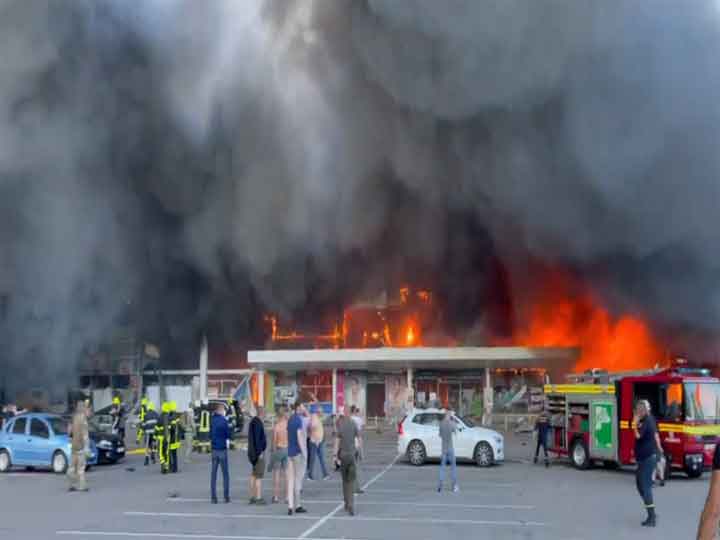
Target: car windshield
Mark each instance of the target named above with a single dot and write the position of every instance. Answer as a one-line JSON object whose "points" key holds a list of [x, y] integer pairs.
{"points": [[59, 426], [467, 421], [702, 401]]}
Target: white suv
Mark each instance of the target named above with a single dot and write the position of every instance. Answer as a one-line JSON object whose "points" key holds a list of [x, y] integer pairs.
{"points": [[419, 439]]}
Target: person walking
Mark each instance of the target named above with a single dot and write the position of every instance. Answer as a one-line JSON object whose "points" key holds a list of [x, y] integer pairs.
{"points": [[447, 432], [80, 441], [257, 444], [542, 427], [279, 457], [345, 451], [360, 423], [646, 448], [220, 436], [175, 437], [317, 443], [297, 457]]}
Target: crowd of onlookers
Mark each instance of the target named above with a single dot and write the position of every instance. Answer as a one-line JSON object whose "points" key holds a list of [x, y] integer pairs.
{"points": [[294, 454]]}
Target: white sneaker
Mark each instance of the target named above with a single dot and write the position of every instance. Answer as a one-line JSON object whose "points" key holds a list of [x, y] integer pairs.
{"points": [[456, 489]]}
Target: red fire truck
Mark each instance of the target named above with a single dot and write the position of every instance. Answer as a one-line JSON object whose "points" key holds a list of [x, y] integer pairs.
{"points": [[591, 417]]}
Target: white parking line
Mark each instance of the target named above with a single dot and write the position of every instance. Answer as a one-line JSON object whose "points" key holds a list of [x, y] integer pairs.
{"points": [[192, 536], [396, 503], [216, 515], [339, 507], [431, 521]]}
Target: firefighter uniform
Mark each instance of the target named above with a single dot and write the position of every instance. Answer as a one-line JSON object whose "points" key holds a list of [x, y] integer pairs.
{"points": [[149, 426], [118, 414], [174, 436], [140, 436], [202, 442], [162, 438]]}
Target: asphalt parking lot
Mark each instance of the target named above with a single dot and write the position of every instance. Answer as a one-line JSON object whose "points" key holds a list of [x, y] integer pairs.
{"points": [[513, 501]]}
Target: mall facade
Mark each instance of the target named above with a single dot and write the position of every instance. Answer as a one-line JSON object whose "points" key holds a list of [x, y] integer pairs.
{"points": [[386, 382]]}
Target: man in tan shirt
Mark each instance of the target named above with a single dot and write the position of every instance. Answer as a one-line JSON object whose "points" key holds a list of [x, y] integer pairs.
{"points": [[80, 440]]}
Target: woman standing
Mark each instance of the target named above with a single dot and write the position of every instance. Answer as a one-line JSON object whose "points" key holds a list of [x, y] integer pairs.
{"points": [[647, 445], [279, 457], [317, 443]]}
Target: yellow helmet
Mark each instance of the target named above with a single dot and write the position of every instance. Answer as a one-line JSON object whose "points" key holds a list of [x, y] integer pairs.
{"points": [[144, 401], [173, 406], [116, 400], [150, 406], [166, 406]]}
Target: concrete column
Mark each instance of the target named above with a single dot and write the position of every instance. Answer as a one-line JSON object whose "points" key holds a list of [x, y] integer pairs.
{"points": [[334, 391], [203, 371], [411, 392], [261, 388]]}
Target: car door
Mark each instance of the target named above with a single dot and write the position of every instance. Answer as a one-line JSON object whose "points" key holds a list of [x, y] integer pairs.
{"points": [[17, 441], [431, 428], [464, 440], [39, 441]]}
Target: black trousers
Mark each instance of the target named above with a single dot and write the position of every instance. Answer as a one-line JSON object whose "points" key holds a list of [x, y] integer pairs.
{"points": [[174, 460], [541, 444], [644, 479]]}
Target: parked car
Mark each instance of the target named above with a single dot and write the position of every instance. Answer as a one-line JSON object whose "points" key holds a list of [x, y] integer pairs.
{"points": [[38, 440], [419, 439], [111, 448]]}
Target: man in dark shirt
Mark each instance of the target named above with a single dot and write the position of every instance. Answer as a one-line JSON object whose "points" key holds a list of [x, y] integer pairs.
{"points": [[710, 517], [542, 426], [220, 436], [345, 449], [257, 444], [646, 447]]}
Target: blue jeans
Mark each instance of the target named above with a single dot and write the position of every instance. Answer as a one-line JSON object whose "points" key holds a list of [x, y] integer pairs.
{"points": [[319, 451], [448, 458], [219, 458]]}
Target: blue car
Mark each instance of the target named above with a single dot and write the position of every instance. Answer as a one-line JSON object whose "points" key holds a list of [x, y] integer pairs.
{"points": [[38, 440]]}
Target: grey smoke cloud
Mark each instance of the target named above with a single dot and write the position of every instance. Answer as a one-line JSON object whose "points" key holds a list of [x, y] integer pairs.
{"points": [[207, 160]]}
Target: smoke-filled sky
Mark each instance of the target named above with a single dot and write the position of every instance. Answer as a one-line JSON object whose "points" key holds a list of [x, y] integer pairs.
{"points": [[187, 165]]}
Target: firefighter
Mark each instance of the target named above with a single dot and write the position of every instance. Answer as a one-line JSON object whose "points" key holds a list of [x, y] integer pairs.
{"points": [[542, 428], [139, 438], [174, 436], [118, 414], [203, 432], [162, 437], [149, 427]]}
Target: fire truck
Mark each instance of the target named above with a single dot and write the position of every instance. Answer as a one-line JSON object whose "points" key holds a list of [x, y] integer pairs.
{"points": [[591, 417]]}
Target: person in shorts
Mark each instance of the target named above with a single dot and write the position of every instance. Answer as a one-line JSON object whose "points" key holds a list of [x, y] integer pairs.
{"points": [[257, 444], [279, 456]]}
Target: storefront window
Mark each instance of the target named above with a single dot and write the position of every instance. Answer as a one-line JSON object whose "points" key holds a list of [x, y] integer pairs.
{"points": [[316, 386]]}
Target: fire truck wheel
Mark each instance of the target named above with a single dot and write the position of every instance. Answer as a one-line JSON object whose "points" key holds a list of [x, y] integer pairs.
{"points": [[579, 455], [416, 453], [484, 455], [692, 473]]}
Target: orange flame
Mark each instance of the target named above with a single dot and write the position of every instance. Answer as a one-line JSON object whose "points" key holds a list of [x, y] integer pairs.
{"points": [[566, 314]]}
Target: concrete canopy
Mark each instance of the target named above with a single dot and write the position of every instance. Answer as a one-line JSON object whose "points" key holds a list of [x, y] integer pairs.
{"points": [[418, 358]]}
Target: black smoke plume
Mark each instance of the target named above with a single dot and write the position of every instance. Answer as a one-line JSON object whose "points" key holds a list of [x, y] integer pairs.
{"points": [[188, 165]]}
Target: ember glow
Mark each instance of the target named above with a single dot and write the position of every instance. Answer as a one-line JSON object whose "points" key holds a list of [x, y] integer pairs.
{"points": [[566, 313]]}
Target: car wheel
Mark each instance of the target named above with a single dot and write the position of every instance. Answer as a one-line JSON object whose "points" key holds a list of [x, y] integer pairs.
{"points": [[416, 453], [484, 456], [579, 455], [5, 461], [693, 473], [59, 463]]}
